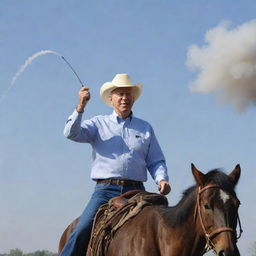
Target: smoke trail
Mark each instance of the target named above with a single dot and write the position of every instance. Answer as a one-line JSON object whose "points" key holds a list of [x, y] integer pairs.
{"points": [[23, 67], [226, 65], [28, 62]]}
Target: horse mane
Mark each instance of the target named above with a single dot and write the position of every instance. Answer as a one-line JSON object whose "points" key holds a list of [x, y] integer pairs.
{"points": [[176, 215]]}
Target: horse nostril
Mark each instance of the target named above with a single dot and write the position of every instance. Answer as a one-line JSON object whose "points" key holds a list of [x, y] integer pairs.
{"points": [[227, 253], [221, 253]]}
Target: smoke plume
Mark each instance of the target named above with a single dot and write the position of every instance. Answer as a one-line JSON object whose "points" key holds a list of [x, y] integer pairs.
{"points": [[226, 65]]}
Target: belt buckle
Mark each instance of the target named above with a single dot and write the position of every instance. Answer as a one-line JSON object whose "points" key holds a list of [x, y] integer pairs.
{"points": [[121, 182]]}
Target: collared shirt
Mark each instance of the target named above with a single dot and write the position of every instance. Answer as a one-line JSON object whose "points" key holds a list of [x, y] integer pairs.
{"points": [[123, 149]]}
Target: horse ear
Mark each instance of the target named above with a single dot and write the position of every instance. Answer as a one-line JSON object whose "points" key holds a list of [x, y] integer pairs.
{"points": [[235, 174], [199, 176]]}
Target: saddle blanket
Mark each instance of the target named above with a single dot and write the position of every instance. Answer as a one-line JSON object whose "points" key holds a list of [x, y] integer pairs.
{"points": [[109, 218]]}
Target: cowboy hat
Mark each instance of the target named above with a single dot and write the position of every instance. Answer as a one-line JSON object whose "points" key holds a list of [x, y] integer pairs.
{"points": [[120, 80]]}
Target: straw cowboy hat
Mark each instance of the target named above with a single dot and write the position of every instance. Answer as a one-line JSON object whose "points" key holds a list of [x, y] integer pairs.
{"points": [[120, 80]]}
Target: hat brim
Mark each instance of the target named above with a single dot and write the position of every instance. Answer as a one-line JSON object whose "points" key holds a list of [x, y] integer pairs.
{"points": [[108, 87]]}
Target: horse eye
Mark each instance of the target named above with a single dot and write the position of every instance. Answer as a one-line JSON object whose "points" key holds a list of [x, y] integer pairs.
{"points": [[206, 207]]}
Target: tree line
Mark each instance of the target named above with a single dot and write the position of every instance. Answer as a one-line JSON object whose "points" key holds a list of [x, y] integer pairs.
{"points": [[18, 252]]}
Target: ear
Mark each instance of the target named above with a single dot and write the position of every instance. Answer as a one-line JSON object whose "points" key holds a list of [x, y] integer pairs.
{"points": [[110, 99], [199, 176], [235, 174]]}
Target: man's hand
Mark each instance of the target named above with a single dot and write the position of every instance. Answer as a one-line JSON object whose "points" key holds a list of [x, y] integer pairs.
{"points": [[83, 97], [164, 187]]}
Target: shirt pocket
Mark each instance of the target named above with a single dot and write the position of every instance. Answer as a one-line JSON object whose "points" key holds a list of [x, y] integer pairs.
{"points": [[138, 141]]}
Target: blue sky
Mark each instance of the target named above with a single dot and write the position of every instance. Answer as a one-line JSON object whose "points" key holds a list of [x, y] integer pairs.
{"points": [[44, 178]]}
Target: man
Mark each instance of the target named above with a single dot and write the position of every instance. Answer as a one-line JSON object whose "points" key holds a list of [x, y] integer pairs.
{"points": [[124, 148]]}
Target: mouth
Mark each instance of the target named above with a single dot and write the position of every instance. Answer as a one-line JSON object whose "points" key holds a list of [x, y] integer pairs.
{"points": [[125, 104]]}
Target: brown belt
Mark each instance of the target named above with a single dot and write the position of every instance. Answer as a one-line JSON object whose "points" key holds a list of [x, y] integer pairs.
{"points": [[129, 183]]}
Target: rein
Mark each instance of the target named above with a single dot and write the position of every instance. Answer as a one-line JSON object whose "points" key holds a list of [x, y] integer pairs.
{"points": [[217, 231]]}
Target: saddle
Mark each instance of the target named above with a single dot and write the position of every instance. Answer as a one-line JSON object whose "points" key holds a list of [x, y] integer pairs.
{"points": [[113, 215]]}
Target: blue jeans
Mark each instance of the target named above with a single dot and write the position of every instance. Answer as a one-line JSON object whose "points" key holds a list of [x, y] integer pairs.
{"points": [[78, 240]]}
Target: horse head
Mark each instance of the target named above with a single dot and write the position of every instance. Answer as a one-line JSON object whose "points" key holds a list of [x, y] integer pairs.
{"points": [[216, 212]]}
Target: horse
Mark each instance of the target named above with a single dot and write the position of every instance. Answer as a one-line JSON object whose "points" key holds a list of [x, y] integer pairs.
{"points": [[204, 219]]}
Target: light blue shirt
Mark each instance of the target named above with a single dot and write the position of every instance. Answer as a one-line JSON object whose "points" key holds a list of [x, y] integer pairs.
{"points": [[123, 149]]}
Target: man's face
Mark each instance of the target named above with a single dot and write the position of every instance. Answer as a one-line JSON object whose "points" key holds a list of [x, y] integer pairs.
{"points": [[122, 100]]}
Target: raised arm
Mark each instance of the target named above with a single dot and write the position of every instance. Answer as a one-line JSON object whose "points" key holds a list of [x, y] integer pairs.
{"points": [[75, 129]]}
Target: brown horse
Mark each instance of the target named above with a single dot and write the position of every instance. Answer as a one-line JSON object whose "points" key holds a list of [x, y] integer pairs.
{"points": [[205, 218]]}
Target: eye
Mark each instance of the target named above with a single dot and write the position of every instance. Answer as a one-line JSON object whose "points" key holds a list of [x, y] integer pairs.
{"points": [[207, 207], [238, 203]]}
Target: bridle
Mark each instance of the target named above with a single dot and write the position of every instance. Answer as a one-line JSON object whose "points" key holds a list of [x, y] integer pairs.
{"points": [[217, 231]]}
